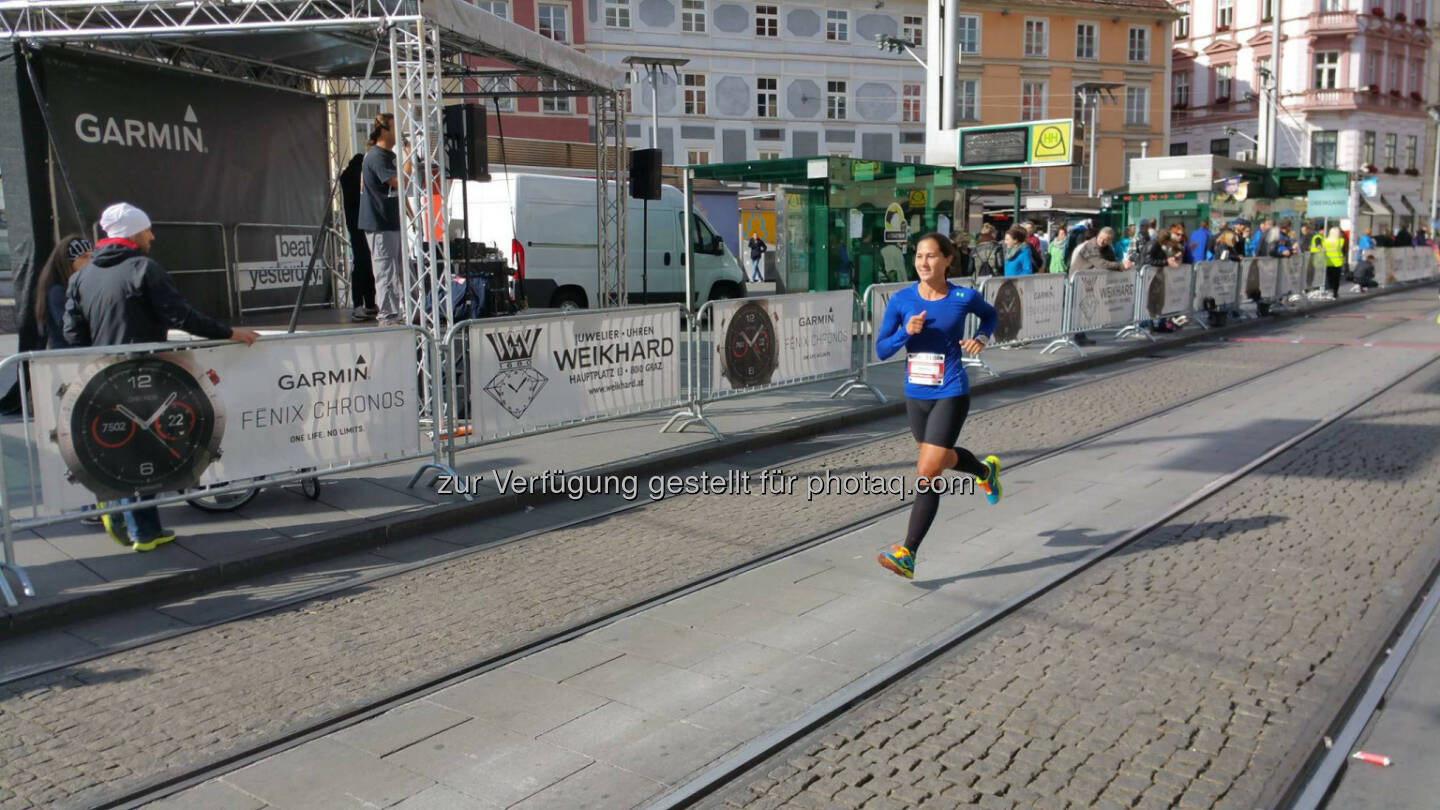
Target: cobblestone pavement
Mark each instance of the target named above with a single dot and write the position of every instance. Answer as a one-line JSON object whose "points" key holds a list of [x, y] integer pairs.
{"points": [[1188, 671], [80, 735]]}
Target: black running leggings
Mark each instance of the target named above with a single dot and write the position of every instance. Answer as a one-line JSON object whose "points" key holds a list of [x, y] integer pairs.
{"points": [[937, 422]]}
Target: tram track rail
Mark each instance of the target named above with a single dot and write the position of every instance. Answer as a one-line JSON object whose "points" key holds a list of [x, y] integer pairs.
{"points": [[755, 751]]}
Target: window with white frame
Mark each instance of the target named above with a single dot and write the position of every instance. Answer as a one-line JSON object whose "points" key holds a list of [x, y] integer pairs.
{"points": [[694, 84], [836, 100], [1037, 37], [1032, 180], [697, 157], [1372, 68], [1224, 83], [1325, 5], [553, 104], [692, 16], [500, 8], [912, 29], [1417, 69], [911, 157], [1395, 77], [1225, 15], [767, 97], [1419, 9], [1078, 110], [1412, 151], [767, 155], [1367, 149], [837, 25], [1032, 101], [1324, 148], [553, 21], [767, 21], [1137, 105], [1080, 171], [1179, 149], [1180, 94], [1087, 40], [499, 84], [1138, 46], [967, 99], [1327, 70], [617, 13], [1125, 166], [910, 103], [1182, 25], [1388, 156], [969, 36], [1267, 10], [362, 117]]}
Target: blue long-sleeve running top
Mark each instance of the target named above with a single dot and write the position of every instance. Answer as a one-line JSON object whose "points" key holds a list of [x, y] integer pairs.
{"points": [[938, 341]]}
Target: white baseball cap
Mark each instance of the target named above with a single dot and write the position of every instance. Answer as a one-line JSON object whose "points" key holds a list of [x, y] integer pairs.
{"points": [[123, 220]]}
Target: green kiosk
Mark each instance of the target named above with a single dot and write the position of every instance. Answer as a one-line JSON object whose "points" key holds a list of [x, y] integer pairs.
{"points": [[849, 223]]}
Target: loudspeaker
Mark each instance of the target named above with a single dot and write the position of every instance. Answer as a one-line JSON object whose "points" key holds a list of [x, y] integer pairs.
{"points": [[466, 151], [645, 174]]}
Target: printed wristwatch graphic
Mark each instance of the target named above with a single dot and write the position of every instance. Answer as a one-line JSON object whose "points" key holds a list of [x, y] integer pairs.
{"points": [[140, 425], [1155, 296], [1252, 281], [1007, 306], [1089, 297], [750, 352]]}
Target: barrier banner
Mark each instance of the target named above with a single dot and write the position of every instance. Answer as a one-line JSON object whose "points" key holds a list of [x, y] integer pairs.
{"points": [[1383, 269], [1262, 278], [529, 373], [1410, 264], [1029, 307], [780, 339], [1217, 280], [880, 296], [1166, 290], [124, 423], [1101, 299], [1292, 276]]}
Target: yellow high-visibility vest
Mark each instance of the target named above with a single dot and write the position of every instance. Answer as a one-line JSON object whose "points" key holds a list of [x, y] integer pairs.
{"points": [[1316, 242], [1334, 252]]}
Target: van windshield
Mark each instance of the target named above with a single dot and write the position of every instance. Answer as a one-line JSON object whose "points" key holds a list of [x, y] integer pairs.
{"points": [[702, 235]]}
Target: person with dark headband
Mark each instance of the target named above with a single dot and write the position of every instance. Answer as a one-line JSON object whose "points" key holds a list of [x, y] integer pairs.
{"points": [[928, 321]]}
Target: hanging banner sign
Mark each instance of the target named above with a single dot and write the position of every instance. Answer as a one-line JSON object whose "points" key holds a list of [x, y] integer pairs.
{"points": [[780, 339], [531, 373], [118, 424]]}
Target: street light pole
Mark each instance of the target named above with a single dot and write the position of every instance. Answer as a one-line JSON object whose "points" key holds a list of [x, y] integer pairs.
{"points": [[1435, 181]]}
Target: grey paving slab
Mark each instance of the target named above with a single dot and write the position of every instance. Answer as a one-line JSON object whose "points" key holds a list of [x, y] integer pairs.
{"points": [[215, 795], [325, 774], [488, 762], [672, 751], [659, 689], [495, 698], [440, 797], [138, 624], [566, 660], [599, 786], [603, 733], [39, 649], [657, 640], [401, 727], [805, 679]]}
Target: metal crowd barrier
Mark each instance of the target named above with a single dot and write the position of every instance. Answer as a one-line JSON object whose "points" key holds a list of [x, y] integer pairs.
{"points": [[748, 340], [516, 385], [873, 302], [1030, 308], [1100, 300], [28, 496]]}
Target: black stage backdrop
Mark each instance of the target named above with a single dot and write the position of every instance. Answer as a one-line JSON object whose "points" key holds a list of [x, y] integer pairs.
{"points": [[191, 149]]}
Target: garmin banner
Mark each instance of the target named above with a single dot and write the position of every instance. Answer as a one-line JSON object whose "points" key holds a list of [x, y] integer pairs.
{"points": [[780, 339], [1292, 275], [1029, 307], [1262, 278], [1166, 290], [120, 423], [1101, 299], [879, 297], [188, 148], [530, 373]]}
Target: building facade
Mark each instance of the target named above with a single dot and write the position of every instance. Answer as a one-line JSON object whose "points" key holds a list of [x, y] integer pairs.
{"points": [[1352, 88], [768, 80]]}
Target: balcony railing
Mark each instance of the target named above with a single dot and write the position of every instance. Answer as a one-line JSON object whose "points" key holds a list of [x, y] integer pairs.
{"points": [[1328, 22]]}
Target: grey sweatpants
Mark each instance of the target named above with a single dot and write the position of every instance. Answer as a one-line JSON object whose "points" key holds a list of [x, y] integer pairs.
{"points": [[389, 275]]}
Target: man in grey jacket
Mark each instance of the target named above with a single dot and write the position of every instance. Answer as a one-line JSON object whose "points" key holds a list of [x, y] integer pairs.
{"points": [[1097, 254]]}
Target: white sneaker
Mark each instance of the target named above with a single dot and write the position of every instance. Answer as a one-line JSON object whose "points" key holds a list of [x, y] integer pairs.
{"points": [[361, 314]]}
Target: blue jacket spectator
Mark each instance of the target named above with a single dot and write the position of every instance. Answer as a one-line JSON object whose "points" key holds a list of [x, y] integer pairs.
{"points": [[1018, 261], [1200, 243]]}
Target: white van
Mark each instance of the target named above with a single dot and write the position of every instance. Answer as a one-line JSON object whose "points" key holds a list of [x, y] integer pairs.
{"points": [[554, 225]]}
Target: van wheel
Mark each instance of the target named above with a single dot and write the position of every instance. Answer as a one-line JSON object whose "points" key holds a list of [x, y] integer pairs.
{"points": [[568, 300], [724, 290]]}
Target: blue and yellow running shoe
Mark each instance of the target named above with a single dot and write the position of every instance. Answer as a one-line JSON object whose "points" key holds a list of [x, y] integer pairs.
{"points": [[990, 485], [899, 559], [114, 524]]}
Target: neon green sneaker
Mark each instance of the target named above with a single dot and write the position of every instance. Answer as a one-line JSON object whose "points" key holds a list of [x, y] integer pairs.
{"points": [[898, 559], [991, 483], [115, 527], [159, 540]]}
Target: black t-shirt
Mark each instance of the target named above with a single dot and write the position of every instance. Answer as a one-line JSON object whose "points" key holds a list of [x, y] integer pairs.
{"points": [[757, 248], [379, 205]]}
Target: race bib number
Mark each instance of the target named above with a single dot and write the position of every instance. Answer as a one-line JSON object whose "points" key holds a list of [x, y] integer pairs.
{"points": [[926, 368]]}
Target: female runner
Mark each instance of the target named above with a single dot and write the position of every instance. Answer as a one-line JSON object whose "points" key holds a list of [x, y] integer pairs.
{"points": [[928, 320]]}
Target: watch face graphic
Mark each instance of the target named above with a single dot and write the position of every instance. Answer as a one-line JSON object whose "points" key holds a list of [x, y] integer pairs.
{"points": [[517, 383], [1007, 306], [750, 352], [1089, 300], [1252, 281], [1155, 296], [140, 425]]}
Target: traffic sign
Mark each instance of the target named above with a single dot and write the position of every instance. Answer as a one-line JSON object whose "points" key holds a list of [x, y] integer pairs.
{"points": [[1020, 145]]}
